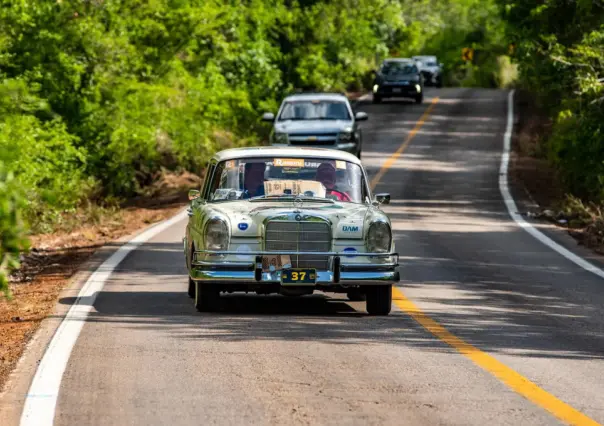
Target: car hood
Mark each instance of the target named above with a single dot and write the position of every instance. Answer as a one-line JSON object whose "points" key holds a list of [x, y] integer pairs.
{"points": [[246, 218], [312, 126]]}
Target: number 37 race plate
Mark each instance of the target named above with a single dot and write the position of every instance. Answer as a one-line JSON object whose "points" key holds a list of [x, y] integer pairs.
{"points": [[298, 276]]}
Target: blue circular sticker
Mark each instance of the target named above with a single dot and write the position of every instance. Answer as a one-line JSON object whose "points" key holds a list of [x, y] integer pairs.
{"points": [[243, 226], [350, 250]]}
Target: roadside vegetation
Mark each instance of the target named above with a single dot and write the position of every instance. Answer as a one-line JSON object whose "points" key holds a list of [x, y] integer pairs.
{"points": [[560, 54]]}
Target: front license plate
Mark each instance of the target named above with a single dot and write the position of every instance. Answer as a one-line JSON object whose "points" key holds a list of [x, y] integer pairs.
{"points": [[298, 276], [396, 90]]}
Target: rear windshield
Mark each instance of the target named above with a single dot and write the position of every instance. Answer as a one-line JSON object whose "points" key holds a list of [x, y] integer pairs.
{"points": [[390, 68]]}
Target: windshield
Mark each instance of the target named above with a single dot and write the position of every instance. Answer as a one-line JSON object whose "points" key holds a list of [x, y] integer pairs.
{"points": [[393, 68], [314, 110], [281, 178]]}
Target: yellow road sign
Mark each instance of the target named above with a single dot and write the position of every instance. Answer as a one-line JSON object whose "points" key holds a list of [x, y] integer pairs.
{"points": [[467, 53]]}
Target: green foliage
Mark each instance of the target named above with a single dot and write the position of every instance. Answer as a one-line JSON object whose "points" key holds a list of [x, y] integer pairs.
{"points": [[561, 59], [40, 154], [12, 232]]}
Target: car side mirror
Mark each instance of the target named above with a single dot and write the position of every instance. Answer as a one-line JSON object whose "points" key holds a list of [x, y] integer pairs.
{"points": [[361, 116], [382, 198], [194, 194], [268, 116]]}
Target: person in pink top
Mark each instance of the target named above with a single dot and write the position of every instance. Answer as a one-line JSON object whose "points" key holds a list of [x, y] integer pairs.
{"points": [[326, 174]]}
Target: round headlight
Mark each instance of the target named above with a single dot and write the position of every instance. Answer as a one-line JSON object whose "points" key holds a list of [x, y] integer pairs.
{"points": [[379, 238], [216, 235]]}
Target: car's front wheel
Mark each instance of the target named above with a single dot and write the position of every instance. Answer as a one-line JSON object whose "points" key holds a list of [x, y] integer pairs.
{"points": [[207, 297], [377, 99], [379, 299], [419, 98]]}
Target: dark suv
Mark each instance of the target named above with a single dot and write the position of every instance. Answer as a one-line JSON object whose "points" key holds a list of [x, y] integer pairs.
{"points": [[398, 77]]}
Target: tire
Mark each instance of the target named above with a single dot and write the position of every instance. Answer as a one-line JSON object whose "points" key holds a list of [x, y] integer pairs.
{"points": [[419, 98], [379, 299], [377, 99], [207, 297], [359, 155], [356, 295], [191, 290], [439, 82]]}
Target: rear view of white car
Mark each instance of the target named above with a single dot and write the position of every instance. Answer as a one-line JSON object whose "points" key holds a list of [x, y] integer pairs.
{"points": [[431, 70]]}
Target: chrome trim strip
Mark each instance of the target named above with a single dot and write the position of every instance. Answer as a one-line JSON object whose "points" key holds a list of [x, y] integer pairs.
{"points": [[323, 277], [290, 253]]}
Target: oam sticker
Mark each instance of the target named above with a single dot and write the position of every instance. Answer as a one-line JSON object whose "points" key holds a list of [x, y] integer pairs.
{"points": [[289, 162], [350, 228], [340, 164], [243, 226]]}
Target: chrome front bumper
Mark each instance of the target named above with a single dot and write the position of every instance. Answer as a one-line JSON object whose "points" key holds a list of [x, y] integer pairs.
{"points": [[217, 271]]}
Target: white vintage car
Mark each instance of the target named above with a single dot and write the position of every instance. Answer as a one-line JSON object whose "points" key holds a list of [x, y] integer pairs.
{"points": [[289, 221]]}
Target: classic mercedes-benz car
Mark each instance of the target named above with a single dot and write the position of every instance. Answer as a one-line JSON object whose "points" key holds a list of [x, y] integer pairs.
{"points": [[290, 221]]}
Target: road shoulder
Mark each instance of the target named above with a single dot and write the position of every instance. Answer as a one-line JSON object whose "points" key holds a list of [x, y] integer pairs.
{"points": [[16, 387]]}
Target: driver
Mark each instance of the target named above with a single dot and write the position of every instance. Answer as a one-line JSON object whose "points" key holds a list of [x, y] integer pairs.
{"points": [[326, 174], [253, 180]]}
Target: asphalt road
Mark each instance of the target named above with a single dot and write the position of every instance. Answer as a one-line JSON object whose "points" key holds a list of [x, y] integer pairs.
{"points": [[146, 357]]}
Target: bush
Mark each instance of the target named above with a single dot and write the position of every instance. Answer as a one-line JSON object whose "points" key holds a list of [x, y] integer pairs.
{"points": [[46, 165], [561, 62], [12, 229]]}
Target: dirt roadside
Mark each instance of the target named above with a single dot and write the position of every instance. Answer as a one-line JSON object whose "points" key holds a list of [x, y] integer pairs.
{"points": [[54, 258]]}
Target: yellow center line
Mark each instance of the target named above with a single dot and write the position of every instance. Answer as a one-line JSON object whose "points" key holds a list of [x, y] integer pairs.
{"points": [[511, 378], [505, 374], [392, 159]]}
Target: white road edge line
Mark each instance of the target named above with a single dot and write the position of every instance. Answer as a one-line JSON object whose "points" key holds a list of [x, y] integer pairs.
{"points": [[41, 400], [513, 209]]}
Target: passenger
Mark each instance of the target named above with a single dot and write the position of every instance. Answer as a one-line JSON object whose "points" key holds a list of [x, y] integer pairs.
{"points": [[253, 180], [326, 174]]}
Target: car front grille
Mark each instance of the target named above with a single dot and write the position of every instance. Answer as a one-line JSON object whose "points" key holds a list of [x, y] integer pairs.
{"points": [[313, 139], [298, 236]]}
